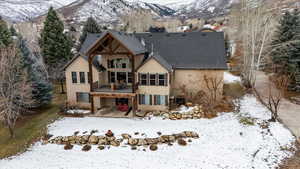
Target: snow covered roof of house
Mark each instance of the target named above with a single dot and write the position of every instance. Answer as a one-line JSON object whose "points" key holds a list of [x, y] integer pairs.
{"points": [[192, 50]]}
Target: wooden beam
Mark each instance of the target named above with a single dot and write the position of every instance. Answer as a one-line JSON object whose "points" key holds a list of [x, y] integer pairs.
{"points": [[90, 61], [116, 48], [113, 95], [108, 53]]}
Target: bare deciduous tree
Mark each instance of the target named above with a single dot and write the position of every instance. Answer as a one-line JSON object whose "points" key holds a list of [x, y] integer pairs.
{"points": [[257, 27], [276, 91], [15, 92], [214, 86]]}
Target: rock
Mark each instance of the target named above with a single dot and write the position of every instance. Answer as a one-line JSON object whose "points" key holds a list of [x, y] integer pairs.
{"points": [[93, 132], [136, 133], [126, 136], [115, 143], [109, 133], [102, 141], [159, 133], [68, 146], [93, 139], [144, 149], [189, 104], [182, 142], [111, 138], [84, 132], [179, 116], [86, 148], [141, 142], [166, 115], [170, 144], [65, 139], [189, 140], [101, 147], [76, 133], [172, 138], [133, 147], [153, 147], [132, 141], [86, 138]]}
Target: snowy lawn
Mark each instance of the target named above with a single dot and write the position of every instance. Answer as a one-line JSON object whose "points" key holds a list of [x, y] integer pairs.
{"points": [[230, 78], [224, 143]]}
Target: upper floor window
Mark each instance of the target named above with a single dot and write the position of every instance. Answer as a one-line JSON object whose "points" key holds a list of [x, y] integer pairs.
{"points": [[143, 79], [82, 77], [152, 79], [119, 63], [162, 80], [74, 77]]}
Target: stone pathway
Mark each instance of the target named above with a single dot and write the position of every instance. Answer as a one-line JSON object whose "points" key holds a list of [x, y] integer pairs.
{"points": [[289, 113]]}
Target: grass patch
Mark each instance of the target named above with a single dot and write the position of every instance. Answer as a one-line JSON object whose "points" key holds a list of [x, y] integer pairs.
{"points": [[29, 128], [247, 121]]}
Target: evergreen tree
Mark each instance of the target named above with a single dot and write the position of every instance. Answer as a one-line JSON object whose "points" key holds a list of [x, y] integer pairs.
{"points": [[90, 26], [55, 44], [13, 31], [286, 31], [41, 88], [5, 35]]}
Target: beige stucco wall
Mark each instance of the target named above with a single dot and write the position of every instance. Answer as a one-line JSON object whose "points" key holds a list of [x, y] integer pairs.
{"points": [[152, 66], [79, 65], [193, 80]]}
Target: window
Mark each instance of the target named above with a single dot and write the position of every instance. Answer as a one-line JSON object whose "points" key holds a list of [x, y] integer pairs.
{"points": [[83, 97], [160, 100], [152, 79], [129, 77], [162, 80], [143, 79], [121, 77], [120, 63], [145, 99], [82, 77], [74, 77]]}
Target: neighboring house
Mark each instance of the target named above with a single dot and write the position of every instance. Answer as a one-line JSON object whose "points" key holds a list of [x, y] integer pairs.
{"points": [[143, 70]]}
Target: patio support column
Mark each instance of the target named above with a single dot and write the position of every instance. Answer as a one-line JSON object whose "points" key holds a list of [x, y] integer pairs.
{"points": [[133, 84], [91, 57]]}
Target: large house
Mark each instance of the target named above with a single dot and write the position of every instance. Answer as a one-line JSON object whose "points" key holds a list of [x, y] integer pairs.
{"points": [[142, 71]]}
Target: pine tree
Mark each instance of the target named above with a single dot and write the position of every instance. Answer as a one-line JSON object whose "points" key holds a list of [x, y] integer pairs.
{"points": [[90, 26], [41, 88], [5, 35], [13, 31], [286, 31], [55, 44]]}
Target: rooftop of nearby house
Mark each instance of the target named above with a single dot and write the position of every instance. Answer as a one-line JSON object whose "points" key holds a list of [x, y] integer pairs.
{"points": [[192, 50]]}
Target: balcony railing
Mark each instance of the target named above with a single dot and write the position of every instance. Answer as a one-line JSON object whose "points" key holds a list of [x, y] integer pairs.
{"points": [[113, 88]]}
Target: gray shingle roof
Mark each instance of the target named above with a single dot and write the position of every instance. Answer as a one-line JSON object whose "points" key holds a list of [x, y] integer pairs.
{"points": [[192, 50]]}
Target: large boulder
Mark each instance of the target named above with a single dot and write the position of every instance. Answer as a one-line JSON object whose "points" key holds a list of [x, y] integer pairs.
{"points": [[182, 142], [153, 147], [93, 139], [102, 141], [132, 141], [126, 136], [115, 143]]}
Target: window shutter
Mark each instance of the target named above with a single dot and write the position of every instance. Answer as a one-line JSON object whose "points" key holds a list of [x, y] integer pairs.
{"points": [[155, 99], [166, 79], [140, 77], [157, 79], [167, 100], [148, 79], [139, 98], [108, 75], [150, 99]]}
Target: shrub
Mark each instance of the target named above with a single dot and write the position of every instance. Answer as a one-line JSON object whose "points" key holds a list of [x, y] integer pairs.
{"points": [[247, 121]]}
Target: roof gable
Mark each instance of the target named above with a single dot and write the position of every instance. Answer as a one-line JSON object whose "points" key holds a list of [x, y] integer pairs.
{"points": [[128, 41]]}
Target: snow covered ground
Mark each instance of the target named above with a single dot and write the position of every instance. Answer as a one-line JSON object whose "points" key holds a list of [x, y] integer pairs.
{"points": [[224, 143], [230, 78]]}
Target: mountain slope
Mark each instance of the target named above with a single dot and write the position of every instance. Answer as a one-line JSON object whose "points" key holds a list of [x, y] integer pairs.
{"points": [[23, 10], [102, 10], [111, 10]]}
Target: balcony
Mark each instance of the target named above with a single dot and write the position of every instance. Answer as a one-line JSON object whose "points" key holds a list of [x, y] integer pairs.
{"points": [[112, 88]]}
